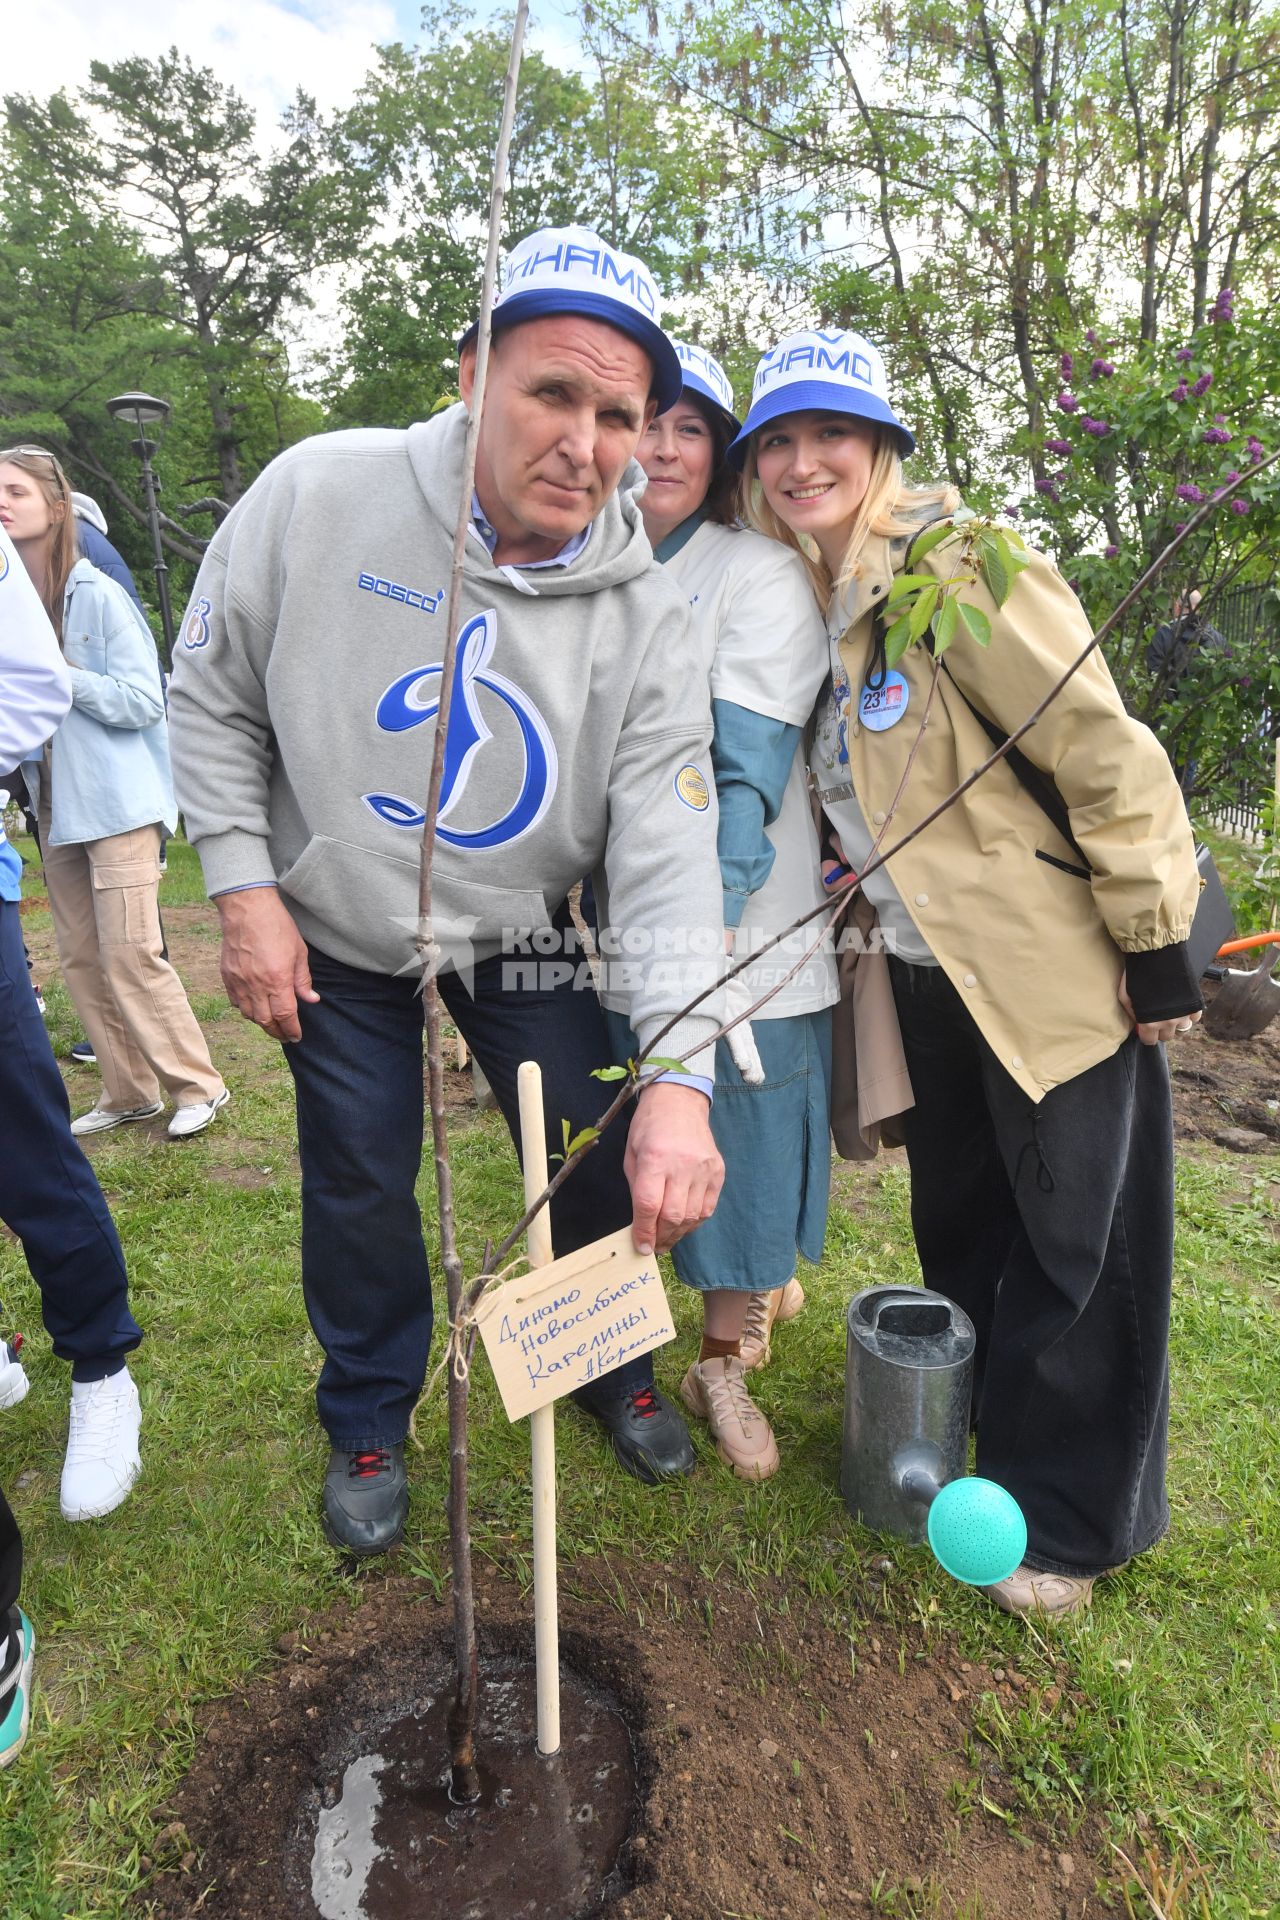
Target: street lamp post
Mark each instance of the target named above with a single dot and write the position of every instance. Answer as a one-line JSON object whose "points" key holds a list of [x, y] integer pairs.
{"points": [[143, 410]]}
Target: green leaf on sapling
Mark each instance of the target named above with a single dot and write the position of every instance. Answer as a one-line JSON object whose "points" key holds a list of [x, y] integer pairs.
{"points": [[994, 572], [661, 1064], [926, 542], [897, 640], [907, 583], [976, 623], [613, 1073], [944, 624], [922, 612]]}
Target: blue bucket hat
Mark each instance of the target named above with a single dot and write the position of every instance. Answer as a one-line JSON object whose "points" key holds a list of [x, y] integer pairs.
{"points": [[821, 372], [707, 378], [572, 270]]}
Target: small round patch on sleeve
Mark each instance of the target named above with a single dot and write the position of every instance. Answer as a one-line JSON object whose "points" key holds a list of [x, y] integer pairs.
{"points": [[691, 787]]}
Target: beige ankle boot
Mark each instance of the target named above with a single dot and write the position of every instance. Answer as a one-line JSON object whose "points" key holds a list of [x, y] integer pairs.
{"points": [[716, 1391], [764, 1312]]}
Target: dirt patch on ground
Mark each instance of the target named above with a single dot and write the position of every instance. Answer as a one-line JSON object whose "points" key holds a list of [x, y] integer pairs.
{"points": [[191, 935], [1222, 1086], [779, 1772]]}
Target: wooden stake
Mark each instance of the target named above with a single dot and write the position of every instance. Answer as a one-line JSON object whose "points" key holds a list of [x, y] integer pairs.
{"points": [[542, 1432]]}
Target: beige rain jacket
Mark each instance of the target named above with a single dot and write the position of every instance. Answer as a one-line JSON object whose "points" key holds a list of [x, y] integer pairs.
{"points": [[1033, 944]]}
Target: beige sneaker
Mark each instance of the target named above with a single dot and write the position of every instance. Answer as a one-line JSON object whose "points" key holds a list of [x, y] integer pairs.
{"points": [[1030, 1593], [764, 1311], [715, 1390]]}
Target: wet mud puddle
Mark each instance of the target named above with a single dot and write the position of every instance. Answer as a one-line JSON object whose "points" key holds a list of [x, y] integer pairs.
{"points": [[542, 1843]]}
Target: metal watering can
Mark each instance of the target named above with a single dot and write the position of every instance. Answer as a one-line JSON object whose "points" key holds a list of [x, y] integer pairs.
{"points": [[907, 1389]]}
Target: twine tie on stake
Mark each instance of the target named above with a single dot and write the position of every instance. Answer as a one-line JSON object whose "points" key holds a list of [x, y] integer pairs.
{"points": [[456, 1358]]}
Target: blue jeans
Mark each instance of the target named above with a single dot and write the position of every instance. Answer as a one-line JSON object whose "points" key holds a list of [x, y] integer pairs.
{"points": [[1052, 1226], [49, 1194], [357, 1072]]}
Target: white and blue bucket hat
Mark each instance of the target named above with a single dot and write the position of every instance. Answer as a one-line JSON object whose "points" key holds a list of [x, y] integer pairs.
{"points": [[703, 375], [572, 270], [826, 372]]}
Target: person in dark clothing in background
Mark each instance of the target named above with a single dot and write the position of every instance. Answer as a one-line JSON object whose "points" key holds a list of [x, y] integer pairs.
{"points": [[1175, 644], [48, 1194], [1173, 653], [91, 537]]}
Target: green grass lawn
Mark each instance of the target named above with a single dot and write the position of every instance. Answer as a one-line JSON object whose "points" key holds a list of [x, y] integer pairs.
{"points": [[1171, 1709]]}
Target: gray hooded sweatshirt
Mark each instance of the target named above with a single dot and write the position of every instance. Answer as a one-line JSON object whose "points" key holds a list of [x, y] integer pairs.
{"points": [[305, 685]]}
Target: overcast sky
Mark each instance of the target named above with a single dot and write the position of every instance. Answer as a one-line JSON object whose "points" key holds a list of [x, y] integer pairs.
{"points": [[265, 48]]}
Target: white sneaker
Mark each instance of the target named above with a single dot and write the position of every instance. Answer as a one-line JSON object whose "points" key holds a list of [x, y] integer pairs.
{"points": [[189, 1120], [99, 1119], [14, 1384], [102, 1460]]}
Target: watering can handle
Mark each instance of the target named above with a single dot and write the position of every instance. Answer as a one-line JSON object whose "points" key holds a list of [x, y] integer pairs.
{"points": [[893, 1297]]}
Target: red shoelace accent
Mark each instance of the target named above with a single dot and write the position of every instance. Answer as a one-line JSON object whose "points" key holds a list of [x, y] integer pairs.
{"points": [[645, 1404], [365, 1465]]}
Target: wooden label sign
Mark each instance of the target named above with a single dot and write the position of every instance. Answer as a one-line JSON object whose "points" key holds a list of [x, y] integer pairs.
{"points": [[563, 1325]]}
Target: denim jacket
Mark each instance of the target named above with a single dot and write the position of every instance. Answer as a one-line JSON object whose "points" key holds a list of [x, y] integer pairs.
{"points": [[110, 756]]}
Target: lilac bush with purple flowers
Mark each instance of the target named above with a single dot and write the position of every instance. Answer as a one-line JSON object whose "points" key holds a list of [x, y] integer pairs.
{"points": [[1119, 488]]}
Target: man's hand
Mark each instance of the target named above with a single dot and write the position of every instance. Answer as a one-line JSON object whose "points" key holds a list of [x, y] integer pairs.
{"points": [[672, 1166], [1152, 1032], [264, 960]]}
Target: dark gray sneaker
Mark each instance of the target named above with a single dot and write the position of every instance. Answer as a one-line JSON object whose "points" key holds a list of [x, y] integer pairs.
{"points": [[650, 1439], [366, 1499]]}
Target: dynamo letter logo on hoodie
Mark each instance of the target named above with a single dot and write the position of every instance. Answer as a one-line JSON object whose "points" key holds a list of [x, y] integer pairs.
{"points": [[414, 699]]}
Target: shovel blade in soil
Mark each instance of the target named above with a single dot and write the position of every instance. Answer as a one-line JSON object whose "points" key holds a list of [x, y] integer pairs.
{"points": [[1246, 1003]]}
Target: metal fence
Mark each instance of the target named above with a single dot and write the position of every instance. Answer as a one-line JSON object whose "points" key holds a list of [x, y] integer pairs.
{"points": [[1248, 617]]}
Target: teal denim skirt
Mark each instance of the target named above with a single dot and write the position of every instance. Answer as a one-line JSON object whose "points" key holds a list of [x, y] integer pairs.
{"points": [[776, 1145]]}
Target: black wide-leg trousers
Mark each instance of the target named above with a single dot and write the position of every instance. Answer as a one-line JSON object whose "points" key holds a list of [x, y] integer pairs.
{"points": [[1051, 1224]]}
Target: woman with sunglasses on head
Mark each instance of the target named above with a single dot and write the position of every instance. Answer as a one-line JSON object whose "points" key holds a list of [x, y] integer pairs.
{"points": [[1037, 966], [761, 646], [102, 792]]}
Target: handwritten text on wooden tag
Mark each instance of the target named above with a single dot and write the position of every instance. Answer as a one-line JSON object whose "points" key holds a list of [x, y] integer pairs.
{"points": [[564, 1325]]}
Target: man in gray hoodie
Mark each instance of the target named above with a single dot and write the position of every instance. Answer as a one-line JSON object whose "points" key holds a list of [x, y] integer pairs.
{"points": [[307, 676]]}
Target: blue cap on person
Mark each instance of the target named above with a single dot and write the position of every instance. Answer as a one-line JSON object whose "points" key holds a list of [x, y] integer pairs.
{"points": [[703, 375], [821, 372], [572, 270]]}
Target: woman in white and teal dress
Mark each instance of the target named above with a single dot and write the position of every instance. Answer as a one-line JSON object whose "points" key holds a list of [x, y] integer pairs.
{"points": [[762, 645]]}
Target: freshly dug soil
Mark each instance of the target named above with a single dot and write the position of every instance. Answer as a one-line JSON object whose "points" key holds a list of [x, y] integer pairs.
{"points": [[1224, 1086], [386, 1840], [777, 1773]]}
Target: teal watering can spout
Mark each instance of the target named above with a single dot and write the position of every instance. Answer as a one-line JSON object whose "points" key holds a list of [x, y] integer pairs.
{"points": [[976, 1529]]}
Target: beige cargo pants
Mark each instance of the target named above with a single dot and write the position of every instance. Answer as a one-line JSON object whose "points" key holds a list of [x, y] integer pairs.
{"points": [[104, 896]]}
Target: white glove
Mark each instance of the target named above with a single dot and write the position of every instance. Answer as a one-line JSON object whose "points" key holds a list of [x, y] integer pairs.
{"points": [[741, 1040]]}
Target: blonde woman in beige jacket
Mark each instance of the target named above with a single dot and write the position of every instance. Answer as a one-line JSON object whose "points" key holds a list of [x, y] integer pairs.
{"points": [[1037, 969]]}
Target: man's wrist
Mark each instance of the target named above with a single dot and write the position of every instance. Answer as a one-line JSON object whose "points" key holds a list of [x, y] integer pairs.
{"points": [[683, 1083], [227, 898]]}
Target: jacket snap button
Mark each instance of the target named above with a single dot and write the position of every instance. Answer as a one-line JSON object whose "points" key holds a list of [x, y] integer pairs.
{"points": [[971, 979], [878, 818], [922, 899], [1016, 1060]]}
